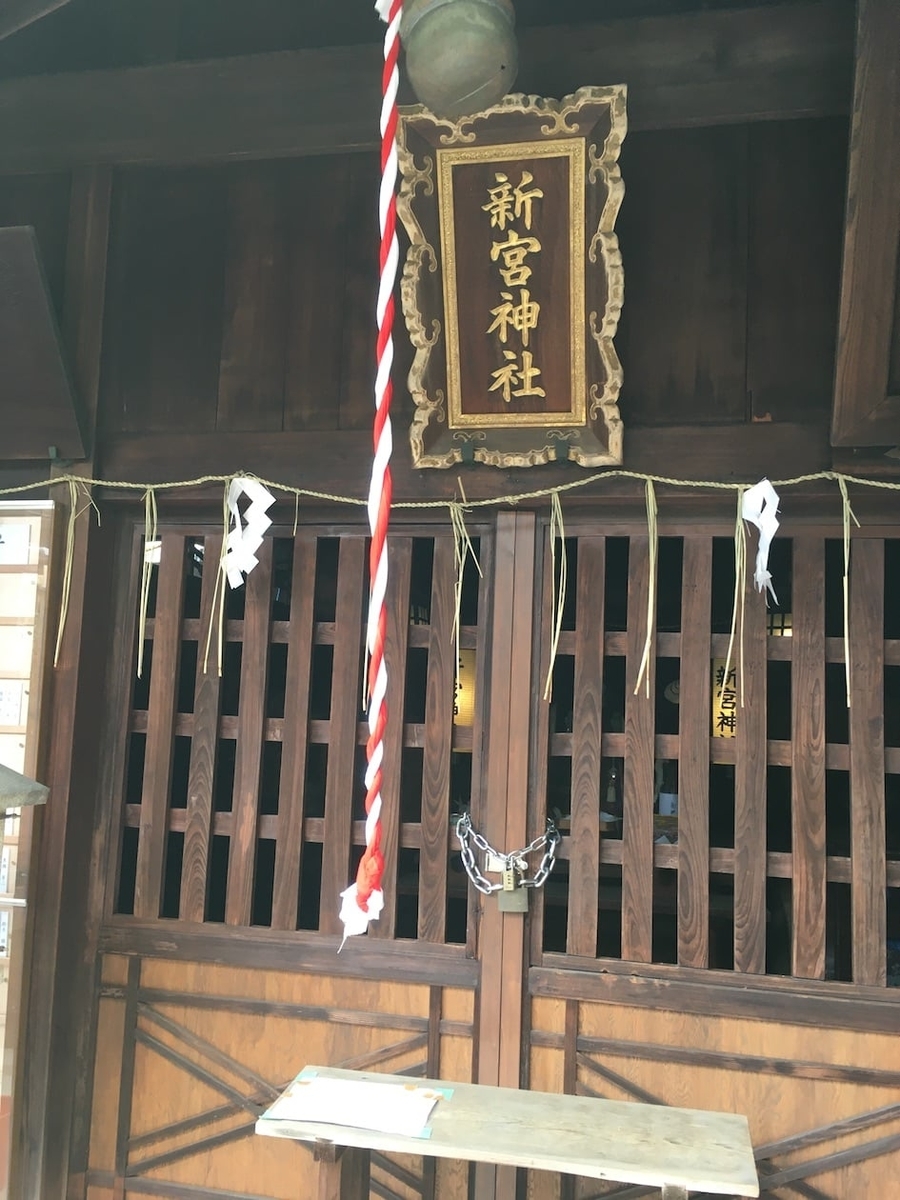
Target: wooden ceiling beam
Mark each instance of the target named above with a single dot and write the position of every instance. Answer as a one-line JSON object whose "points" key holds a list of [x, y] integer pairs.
{"points": [[701, 68], [16, 14], [326, 461]]}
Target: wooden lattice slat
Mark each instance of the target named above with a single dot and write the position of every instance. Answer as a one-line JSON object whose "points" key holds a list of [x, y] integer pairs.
{"points": [[291, 799], [637, 825], [584, 837], [204, 740], [160, 727], [750, 790], [251, 719], [808, 759], [398, 631], [869, 917], [693, 765], [342, 783], [436, 759]]}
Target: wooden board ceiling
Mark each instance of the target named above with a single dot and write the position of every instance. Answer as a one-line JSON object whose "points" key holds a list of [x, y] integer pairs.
{"points": [[95, 34]]}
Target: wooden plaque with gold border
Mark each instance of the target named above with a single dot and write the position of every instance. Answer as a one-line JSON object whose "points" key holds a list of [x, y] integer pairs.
{"points": [[513, 281]]}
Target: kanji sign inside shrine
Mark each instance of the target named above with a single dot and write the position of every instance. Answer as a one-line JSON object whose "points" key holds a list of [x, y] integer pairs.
{"points": [[513, 282]]}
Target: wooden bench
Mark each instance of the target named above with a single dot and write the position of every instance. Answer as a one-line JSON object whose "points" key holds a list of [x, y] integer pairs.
{"points": [[677, 1150]]}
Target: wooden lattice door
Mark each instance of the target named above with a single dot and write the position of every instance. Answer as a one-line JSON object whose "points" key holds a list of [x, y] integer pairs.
{"points": [[706, 952]]}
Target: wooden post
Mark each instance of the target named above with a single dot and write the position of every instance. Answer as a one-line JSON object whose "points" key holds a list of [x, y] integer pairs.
{"points": [[63, 959], [343, 1172], [501, 1000]]}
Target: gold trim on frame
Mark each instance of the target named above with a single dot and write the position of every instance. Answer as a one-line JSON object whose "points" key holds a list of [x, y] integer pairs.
{"points": [[573, 150]]}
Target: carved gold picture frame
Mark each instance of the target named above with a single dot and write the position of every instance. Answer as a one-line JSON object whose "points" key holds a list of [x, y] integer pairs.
{"points": [[569, 151]]}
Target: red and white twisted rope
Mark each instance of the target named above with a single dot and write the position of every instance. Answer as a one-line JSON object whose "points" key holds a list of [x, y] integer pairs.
{"points": [[363, 900]]}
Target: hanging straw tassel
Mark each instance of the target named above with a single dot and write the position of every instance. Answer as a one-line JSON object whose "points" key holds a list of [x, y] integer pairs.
{"points": [[75, 486], [462, 549], [217, 608], [849, 515], [740, 586], [644, 669], [67, 569], [558, 598], [150, 536]]}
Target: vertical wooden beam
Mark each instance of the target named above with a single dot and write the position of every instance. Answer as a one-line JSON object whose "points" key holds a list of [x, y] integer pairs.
{"points": [[567, 1190], [499, 1050], [438, 733], [750, 791], [432, 1071], [291, 801], [359, 244], [250, 732], [204, 749], [693, 754], [126, 1082], [342, 786], [584, 838], [254, 319], [864, 413], [85, 287], [868, 865], [637, 824], [808, 759], [317, 251], [343, 1172], [517, 832], [66, 910]]}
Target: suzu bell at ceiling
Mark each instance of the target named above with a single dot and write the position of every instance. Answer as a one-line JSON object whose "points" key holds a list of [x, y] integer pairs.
{"points": [[461, 55]]}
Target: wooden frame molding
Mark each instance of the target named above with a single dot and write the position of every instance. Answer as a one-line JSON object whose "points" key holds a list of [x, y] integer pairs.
{"points": [[795, 61], [680, 989]]}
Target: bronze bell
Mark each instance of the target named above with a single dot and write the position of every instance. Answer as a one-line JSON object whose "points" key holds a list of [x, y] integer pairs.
{"points": [[460, 54]]}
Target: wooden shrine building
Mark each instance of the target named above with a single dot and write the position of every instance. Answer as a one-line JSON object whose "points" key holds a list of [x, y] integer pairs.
{"points": [[197, 298]]}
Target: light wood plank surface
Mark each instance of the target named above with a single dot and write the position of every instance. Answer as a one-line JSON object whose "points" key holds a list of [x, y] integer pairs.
{"points": [[600, 1139]]}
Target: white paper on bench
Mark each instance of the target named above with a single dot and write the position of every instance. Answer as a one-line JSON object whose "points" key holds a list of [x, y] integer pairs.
{"points": [[386, 1107]]}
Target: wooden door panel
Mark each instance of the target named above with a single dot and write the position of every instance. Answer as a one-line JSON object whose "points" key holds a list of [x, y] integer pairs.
{"points": [[190, 1053], [822, 1128]]}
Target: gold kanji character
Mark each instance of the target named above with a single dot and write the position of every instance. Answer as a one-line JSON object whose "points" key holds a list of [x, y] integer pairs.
{"points": [[522, 316], [514, 251], [511, 373], [506, 201]]}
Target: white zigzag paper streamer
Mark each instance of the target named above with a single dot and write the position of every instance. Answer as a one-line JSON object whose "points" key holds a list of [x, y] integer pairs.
{"points": [[759, 506], [246, 532]]}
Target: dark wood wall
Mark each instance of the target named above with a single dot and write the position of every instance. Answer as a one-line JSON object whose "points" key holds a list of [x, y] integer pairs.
{"points": [[241, 298], [239, 301]]}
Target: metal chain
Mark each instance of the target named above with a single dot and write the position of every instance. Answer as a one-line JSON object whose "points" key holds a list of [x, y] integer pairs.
{"points": [[468, 836]]}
